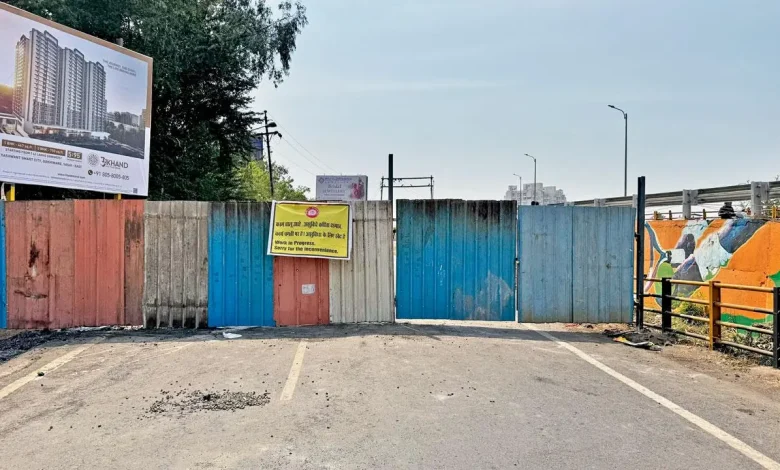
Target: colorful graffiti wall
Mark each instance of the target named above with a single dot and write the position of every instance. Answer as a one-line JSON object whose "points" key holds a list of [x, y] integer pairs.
{"points": [[737, 251]]}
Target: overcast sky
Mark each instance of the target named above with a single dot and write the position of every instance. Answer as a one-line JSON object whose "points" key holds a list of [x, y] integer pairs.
{"points": [[124, 92], [462, 89]]}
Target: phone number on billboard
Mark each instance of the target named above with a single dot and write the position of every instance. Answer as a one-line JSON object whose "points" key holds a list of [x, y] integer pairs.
{"points": [[106, 174]]}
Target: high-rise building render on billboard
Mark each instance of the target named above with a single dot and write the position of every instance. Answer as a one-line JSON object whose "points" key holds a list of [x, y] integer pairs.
{"points": [[57, 86], [36, 77], [94, 101], [70, 89]]}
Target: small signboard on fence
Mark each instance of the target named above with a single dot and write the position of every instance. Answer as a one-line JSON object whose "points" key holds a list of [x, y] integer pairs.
{"points": [[311, 230]]}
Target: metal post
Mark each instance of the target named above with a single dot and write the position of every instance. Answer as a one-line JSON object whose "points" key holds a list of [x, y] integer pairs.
{"points": [[640, 253], [390, 180], [714, 314], [535, 180], [117, 196], [382, 188], [431, 186], [12, 192], [776, 327], [666, 304]]}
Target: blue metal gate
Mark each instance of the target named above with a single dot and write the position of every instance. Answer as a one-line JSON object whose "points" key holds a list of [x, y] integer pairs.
{"points": [[576, 264], [456, 259], [241, 288]]}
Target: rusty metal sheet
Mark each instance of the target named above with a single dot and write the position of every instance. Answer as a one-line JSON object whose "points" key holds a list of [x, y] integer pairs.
{"points": [[301, 291], [134, 261], [39, 263], [100, 262]]}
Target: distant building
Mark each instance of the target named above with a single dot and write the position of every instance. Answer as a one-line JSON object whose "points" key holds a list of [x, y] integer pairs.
{"points": [[545, 195], [123, 117]]}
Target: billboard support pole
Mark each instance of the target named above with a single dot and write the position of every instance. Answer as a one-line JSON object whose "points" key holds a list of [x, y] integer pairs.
{"points": [[12, 192]]}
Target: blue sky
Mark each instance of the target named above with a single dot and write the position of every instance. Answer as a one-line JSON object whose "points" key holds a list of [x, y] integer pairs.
{"points": [[462, 89]]}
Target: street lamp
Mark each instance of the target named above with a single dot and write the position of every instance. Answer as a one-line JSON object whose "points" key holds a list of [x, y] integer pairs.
{"points": [[625, 154], [534, 158], [520, 178]]}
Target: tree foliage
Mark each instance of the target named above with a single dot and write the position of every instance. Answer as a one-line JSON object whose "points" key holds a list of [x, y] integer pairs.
{"points": [[254, 185], [209, 55]]}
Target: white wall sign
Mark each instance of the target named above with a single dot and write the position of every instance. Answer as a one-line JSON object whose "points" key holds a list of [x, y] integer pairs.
{"points": [[342, 188]]}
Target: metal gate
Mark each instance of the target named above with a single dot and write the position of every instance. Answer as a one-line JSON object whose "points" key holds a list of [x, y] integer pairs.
{"points": [[456, 259], [575, 264]]}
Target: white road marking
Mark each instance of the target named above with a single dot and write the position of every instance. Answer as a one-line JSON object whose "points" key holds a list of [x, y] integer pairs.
{"points": [[62, 360], [295, 371], [705, 425]]}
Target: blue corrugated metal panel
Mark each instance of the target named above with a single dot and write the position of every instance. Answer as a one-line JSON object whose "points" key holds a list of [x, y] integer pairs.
{"points": [[545, 270], [455, 259], [576, 264], [603, 264], [3, 303], [240, 272]]}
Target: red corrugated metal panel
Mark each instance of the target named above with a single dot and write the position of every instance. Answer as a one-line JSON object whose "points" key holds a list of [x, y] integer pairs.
{"points": [[74, 263], [40, 260], [134, 262], [294, 301], [100, 262]]}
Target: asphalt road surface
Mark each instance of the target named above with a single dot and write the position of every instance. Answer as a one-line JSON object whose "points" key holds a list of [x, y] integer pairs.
{"points": [[458, 395]]}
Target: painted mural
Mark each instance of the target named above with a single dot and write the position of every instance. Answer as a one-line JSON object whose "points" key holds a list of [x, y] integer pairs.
{"points": [[736, 251]]}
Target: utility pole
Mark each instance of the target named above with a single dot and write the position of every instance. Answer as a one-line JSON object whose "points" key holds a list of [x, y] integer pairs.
{"points": [[390, 179], [268, 145]]}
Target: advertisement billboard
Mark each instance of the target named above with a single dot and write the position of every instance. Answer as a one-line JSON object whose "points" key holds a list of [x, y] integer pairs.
{"points": [[341, 188], [75, 111], [310, 230]]}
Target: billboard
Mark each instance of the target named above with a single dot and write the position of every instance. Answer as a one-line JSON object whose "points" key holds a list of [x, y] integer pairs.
{"points": [[341, 188], [75, 111], [310, 230]]}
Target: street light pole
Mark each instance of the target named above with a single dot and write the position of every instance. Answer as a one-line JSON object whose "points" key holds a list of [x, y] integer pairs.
{"points": [[625, 150], [534, 158], [520, 179]]}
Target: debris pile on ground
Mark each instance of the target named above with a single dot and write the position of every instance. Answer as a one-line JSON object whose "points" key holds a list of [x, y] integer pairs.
{"points": [[644, 339], [190, 401]]}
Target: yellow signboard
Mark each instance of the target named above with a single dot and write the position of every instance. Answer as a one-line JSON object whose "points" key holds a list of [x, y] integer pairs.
{"points": [[310, 230]]}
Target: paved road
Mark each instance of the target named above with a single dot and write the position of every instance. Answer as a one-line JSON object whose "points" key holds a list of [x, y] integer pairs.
{"points": [[397, 396]]}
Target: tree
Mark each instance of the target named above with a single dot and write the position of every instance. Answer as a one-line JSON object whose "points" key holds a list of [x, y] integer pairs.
{"points": [[253, 184], [209, 55]]}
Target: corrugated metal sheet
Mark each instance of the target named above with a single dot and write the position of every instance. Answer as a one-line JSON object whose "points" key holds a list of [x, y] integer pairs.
{"points": [[66, 263], [176, 257], [362, 289], [576, 264], [456, 259], [134, 261], [544, 246], [38, 283], [2, 267], [240, 273], [301, 291], [602, 263]]}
